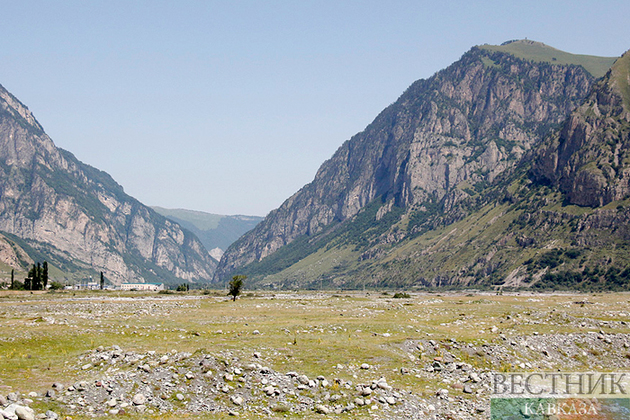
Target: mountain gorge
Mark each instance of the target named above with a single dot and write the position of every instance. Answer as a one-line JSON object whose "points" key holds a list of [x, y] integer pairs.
{"points": [[54, 207], [440, 189], [216, 232]]}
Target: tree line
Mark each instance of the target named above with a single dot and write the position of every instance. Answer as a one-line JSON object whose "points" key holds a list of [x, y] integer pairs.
{"points": [[37, 278]]}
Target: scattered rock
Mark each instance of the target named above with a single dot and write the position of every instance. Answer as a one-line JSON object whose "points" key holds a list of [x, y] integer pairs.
{"points": [[322, 409], [139, 399]]}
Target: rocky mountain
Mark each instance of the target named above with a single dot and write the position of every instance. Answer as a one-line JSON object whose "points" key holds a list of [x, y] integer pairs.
{"points": [[588, 158], [216, 232], [78, 218], [424, 162]]}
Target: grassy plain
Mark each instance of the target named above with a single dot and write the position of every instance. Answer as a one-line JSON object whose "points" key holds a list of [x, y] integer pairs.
{"points": [[42, 334]]}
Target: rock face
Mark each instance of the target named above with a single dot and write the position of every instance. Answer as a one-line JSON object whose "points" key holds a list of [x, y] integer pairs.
{"points": [[77, 215], [446, 135], [588, 159]]}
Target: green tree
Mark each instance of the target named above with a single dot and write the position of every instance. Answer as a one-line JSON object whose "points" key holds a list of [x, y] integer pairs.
{"points": [[55, 285], [12, 279], [236, 284], [36, 283], [102, 281], [182, 287], [45, 275]]}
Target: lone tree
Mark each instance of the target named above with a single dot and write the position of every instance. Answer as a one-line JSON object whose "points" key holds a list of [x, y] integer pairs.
{"points": [[102, 281], [236, 284]]}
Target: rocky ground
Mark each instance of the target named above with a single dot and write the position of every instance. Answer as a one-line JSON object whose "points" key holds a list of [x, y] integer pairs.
{"points": [[429, 376]]}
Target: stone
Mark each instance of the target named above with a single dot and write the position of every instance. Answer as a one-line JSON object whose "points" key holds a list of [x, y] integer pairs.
{"points": [[112, 402], [24, 413], [365, 366], [12, 396], [51, 415], [236, 400], [382, 384], [3, 400], [390, 400], [139, 399], [322, 409], [468, 389], [180, 397]]}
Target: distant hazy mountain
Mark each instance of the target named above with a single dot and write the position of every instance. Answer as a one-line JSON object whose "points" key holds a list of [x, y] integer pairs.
{"points": [[440, 190], [54, 207], [217, 232]]}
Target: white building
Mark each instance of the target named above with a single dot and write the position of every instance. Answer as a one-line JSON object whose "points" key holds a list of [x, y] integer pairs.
{"points": [[86, 286], [153, 287]]}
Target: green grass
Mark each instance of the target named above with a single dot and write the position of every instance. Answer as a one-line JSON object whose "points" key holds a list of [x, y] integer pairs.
{"points": [[621, 72], [305, 332], [539, 52]]}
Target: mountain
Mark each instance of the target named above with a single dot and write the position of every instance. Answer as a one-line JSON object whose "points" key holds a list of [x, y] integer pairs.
{"points": [[54, 207], [432, 159], [216, 232]]}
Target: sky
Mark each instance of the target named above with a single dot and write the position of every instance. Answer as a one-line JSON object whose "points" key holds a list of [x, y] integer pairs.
{"points": [[231, 106]]}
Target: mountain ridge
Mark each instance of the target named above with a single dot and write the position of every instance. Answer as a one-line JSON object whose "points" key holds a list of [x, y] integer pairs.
{"points": [[467, 127], [70, 210]]}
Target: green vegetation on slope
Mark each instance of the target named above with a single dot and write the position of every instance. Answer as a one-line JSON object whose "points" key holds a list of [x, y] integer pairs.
{"points": [[213, 230], [621, 70], [539, 52], [199, 219]]}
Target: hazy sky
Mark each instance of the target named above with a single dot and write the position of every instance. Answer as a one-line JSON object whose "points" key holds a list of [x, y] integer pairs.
{"points": [[231, 106]]}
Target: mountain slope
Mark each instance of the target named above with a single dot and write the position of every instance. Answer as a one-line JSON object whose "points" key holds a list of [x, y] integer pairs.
{"points": [[588, 159], [216, 232], [444, 140], [72, 212]]}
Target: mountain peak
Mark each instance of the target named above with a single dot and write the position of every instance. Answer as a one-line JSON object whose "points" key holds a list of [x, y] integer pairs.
{"points": [[440, 143], [542, 53], [20, 112], [78, 218]]}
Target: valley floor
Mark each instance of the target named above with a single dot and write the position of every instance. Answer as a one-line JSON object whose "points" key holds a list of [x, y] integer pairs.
{"points": [[330, 354]]}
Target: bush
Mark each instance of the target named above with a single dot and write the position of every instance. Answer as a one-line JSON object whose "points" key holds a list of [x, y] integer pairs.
{"points": [[400, 295], [55, 285]]}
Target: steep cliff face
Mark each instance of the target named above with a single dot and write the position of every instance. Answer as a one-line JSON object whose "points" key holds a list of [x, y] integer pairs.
{"points": [[445, 136], [67, 208], [588, 159]]}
